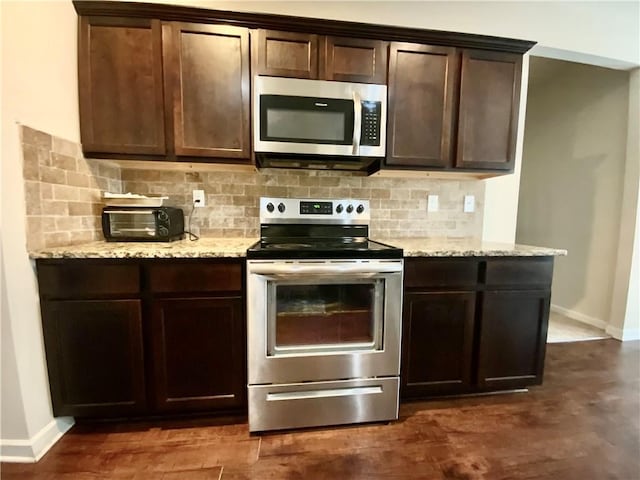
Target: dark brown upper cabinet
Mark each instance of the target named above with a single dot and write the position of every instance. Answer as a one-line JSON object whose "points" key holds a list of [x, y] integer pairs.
{"points": [[306, 55], [444, 100], [422, 90], [287, 54], [164, 89], [207, 74], [357, 60], [489, 102], [120, 76]]}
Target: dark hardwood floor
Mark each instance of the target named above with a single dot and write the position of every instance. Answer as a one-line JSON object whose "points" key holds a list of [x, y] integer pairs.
{"points": [[583, 423]]}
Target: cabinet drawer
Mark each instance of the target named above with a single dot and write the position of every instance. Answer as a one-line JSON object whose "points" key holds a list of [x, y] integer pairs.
{"points": [[537, 271], [200, 277], [82, 278], [441, 272]]}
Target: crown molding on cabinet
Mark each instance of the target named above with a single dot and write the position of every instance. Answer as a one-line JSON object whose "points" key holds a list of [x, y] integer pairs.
{"points": [[300, 24]]}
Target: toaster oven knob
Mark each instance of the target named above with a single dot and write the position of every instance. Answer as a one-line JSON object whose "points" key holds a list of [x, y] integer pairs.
{"points": [[350, 209], [163, 231], [162, 215], [281, 207], [339, 208], [360, 208], [270, 207]]}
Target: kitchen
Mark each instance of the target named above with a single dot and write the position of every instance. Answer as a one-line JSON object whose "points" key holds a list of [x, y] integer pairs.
{"points": [[272, 183]]}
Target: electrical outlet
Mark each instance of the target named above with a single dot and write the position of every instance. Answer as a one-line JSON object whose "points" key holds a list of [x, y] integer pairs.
{"points": [[469, 204], [432, 203], [198, 198]]}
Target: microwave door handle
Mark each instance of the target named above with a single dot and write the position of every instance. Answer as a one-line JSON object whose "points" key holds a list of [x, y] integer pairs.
{"points": [[357, 123]]}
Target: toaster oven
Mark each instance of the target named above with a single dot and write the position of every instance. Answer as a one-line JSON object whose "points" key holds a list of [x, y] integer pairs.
{"points": [[142, 224]]}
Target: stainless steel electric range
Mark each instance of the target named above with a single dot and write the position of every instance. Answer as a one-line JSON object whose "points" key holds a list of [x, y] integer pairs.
{"points": [[324, 310]]}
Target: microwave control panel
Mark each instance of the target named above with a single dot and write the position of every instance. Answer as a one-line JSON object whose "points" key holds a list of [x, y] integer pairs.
{"points": [[371, 113]]}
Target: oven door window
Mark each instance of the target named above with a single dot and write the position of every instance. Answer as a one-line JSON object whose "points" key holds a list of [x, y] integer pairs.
{"points": [[306, 120], [132, 224], [320, 317]]}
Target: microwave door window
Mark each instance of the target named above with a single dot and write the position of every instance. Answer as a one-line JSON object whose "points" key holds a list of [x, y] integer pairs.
{"points": [[132, 225], [306, 120]]}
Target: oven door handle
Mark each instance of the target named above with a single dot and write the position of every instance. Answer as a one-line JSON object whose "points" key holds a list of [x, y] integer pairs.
{"points": [[297, 269]]}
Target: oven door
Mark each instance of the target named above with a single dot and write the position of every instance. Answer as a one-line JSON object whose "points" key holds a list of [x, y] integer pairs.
{"points": [[323, 319]]}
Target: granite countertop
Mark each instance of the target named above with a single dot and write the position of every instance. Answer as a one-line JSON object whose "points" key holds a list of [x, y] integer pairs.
{"points": [[202, 248], [466, 247], [237, 247]]}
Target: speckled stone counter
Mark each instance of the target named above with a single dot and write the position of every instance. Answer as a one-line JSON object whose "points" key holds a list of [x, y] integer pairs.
{"points": [[466, 247], [202, 248]]}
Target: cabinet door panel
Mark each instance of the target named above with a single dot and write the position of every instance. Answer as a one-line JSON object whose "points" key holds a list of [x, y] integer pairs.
{"points": [[437, 342], [198, 353], [422, 87], [513, 336], [489, 103], [120, 86], [208, 73], [354, 60], [287, 54], [95, 357]]}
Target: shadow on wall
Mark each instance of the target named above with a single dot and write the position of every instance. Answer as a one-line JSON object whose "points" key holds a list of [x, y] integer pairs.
{"points": [[572, 174]]}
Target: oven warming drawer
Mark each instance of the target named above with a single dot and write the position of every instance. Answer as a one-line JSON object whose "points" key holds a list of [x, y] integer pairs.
{"points": [[312, 404]]}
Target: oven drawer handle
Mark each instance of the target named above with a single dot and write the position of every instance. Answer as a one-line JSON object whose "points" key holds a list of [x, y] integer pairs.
{"points": [[335, 392], [330, 269]]}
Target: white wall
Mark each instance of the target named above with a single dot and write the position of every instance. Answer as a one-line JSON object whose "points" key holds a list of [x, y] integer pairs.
{"points": [[39, 89], [625, 305], [572, 177]]}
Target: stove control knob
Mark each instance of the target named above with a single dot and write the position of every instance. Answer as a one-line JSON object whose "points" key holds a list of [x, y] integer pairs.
{"points": [[281, 207], [360, 208], [339, 208], [270, 207], [350, 209]]}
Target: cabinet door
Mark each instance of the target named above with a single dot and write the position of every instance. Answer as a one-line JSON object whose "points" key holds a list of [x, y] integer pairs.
{"points": [[198, 353], [287, 54], [437, 343], [354, 60], [120, 85], [488, 116], [422, 88], [208, 72], [513, 334], [94, 356]]}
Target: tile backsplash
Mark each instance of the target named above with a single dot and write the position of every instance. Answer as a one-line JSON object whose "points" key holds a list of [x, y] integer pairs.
{"points": [[63, 192]]}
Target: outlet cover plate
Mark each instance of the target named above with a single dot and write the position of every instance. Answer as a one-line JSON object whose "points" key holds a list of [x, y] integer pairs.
{"points": [[469, 204], [198, 195], [432, 203]]}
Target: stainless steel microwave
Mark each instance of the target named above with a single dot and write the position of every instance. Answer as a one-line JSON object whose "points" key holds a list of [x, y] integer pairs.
{"points": [[317, 117]]}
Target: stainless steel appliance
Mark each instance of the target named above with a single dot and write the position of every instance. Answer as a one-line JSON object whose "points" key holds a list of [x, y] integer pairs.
{"points": [[152, 224], [324, 310], [318, 124]]}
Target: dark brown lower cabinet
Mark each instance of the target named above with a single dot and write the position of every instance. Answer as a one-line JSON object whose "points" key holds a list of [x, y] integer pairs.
{"points": [[438, 328], [474, 325], [198, 353], [513, 335], [143, 337], [95, 356]]}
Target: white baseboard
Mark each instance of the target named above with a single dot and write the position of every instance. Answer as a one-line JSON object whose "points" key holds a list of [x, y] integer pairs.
{"points": [[32, 450], [581, 317], [623, 335]]}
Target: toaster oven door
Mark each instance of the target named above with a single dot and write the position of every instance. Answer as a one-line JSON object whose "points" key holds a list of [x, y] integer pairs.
{"points": [[126, 224]]}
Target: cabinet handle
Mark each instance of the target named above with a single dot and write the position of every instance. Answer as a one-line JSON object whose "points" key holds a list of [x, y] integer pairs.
{"points": [[357, 122]]}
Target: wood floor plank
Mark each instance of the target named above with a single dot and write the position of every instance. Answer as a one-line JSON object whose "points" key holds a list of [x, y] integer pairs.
{"points": [[583, 423]]}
